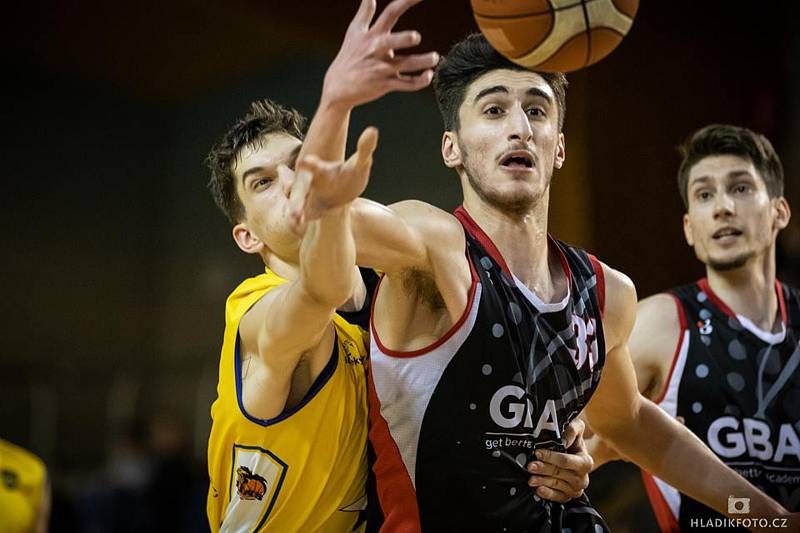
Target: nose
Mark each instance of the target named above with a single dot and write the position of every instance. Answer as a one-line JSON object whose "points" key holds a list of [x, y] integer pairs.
{"points": [[724, 206], [519, 125]]}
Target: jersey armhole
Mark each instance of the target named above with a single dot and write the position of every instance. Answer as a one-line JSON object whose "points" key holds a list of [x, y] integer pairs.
{"points": [[681, 333], [601, 283]]}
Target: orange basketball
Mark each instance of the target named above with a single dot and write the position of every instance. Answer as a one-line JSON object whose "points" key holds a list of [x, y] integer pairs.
{"points": [[554, 35]]}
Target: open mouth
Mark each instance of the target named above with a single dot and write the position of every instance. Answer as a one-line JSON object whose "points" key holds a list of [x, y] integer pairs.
{"points": [[517, 160], [726, 232]]}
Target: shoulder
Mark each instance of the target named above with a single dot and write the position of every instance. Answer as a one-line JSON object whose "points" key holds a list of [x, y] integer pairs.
{"points": [[428, 218]]}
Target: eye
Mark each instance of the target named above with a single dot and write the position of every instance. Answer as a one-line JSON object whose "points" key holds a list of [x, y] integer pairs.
{"points": [[703, 195], [493, 110], [741, 188], [261, 183], [536, 112]]}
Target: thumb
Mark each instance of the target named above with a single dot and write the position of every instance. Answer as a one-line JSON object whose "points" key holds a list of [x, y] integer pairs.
{"points": [[367, 143]]}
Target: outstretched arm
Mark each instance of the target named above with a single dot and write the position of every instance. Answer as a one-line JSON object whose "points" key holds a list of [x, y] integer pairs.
{"points": [[294, 317], [641, 431]]}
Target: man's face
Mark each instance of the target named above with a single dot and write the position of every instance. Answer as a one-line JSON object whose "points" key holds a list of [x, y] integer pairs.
{"points": [[265, 197], [508, 141], [731, 218]]}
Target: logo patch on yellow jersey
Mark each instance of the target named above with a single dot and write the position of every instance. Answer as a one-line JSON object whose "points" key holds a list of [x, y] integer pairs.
{"points": [[256, 479], [250, 486]]}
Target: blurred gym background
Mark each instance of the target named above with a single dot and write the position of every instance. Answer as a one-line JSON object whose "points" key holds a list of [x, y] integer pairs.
{"points": [[116, 263]]}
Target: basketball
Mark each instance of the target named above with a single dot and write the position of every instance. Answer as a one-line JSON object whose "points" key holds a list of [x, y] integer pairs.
{"points": [[554, 35]]}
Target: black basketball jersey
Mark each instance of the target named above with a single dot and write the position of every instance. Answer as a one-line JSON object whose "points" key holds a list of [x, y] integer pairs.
{"points": [[738, 388], [455, 424]]}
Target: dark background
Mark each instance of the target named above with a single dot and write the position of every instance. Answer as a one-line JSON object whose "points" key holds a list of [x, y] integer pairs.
{"points": [[116, 263]]}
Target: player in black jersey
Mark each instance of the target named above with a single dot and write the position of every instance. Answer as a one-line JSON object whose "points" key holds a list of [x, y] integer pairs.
{"points": [[489, 336], [723, 353]]}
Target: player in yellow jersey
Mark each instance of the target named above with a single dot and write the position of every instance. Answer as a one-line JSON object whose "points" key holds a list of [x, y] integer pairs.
{"points": [[24, 491], [287, 450]]}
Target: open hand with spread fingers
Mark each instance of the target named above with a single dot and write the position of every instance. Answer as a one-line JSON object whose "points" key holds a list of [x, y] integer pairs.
{"points": [[320, 186], [367, 66]]}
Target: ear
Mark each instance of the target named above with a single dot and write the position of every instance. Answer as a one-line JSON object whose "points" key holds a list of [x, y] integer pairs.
{"points": [[687, 230], [782, 213], [451, 154], [247, 241], [561, 152]]}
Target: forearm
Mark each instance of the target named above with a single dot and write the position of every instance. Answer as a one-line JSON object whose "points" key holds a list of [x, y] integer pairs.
{"points": [[327, 134], [661, 445], [327, 258]]}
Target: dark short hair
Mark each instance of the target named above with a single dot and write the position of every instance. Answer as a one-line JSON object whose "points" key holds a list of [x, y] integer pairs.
{"points": [[469, 59], [263, 117], [723, 139]]}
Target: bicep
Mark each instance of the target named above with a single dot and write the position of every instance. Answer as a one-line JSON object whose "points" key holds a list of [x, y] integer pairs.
{"points": [[615, 402], [401, 236], [283, 324]]}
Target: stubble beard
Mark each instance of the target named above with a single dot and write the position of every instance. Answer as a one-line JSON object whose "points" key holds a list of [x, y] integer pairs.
{"points": [[516, 206], [729, 264]]}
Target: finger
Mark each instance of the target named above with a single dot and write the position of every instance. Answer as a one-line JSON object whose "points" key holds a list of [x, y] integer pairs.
{"points": [[367, 143], [407, 83], [572, 491], [396, 41], [547, 493], [413, 63], [564, 461], [392, 13], [365, 13], [574, 429]]}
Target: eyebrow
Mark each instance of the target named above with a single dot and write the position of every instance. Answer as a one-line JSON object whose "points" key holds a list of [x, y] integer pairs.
{"points": [[291, 162], [490, 90], [533, 91], [730, 175]]}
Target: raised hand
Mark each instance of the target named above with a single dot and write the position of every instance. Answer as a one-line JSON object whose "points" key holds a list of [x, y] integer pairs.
{"points": [[367, 66], [320, 186]]}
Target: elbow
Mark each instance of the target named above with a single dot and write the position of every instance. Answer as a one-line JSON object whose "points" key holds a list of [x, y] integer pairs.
{"points": [[623, 426], [332, 293]]}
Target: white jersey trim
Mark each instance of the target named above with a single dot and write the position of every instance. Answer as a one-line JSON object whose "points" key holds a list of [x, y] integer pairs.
{"points": [[766, 336], [669, 403], [541, 305]]}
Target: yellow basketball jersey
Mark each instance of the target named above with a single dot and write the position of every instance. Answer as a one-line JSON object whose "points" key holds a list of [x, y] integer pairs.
{"points": [[305, 469], [22, 479]]}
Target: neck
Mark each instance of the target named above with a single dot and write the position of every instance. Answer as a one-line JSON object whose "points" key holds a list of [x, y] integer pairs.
{"points": [[750, 290], [282, 268], [521, 238]]}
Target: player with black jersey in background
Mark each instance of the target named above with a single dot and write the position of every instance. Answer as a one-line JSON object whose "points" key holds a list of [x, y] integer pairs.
{"points": [[722, 353]]}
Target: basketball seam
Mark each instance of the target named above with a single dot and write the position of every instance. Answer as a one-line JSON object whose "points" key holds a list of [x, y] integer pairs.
{"points": [[588, 33], [550, 10], [546, 35]]}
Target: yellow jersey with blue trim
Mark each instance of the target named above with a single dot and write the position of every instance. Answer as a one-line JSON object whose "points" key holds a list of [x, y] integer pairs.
{"points": [[22, 480], [305, 469]]}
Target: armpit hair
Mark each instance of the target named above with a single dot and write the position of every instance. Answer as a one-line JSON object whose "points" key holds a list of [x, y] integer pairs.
{"points": [[424, 286]]}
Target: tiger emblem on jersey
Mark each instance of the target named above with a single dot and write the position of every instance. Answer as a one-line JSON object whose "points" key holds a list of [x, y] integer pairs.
{"points": [[250, 486]]}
